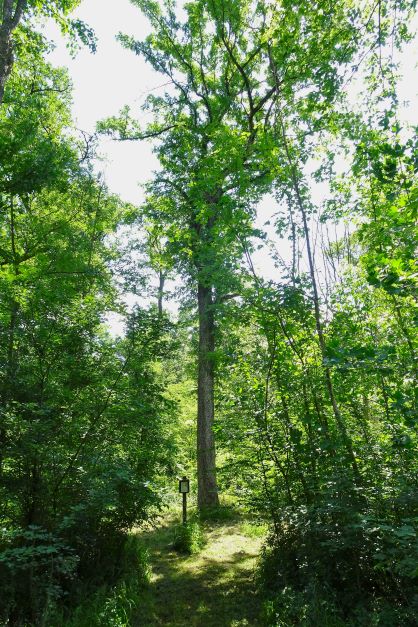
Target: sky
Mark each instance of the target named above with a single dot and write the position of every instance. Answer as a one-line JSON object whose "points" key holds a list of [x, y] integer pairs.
{"points": [[106, 81], [113, 77]]}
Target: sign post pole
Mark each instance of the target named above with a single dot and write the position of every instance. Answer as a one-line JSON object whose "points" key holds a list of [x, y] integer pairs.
{"points": [[184, 489], [184, 508]]}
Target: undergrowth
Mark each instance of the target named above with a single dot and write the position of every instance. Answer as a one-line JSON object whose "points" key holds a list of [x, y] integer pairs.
{"points": [[335, 564], [188, 538], [111, 605]]}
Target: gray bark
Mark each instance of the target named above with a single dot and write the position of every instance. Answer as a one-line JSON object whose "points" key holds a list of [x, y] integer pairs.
{"points": [[206, 459], [11, 14], [160, 297]]}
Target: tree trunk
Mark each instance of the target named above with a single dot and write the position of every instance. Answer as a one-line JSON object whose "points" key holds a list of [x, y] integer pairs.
{"points": [[318, 320], [206, 461], [6, 60], [160, 293], [11, 14], [8, 390]]}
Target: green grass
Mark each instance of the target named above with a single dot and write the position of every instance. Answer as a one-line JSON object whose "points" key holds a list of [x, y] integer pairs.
{"points": [[221, 513], [254, 530], [201, 574], [212, 588]]}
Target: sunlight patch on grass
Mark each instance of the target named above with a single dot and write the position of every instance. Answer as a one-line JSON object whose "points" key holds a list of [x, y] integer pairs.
{"points": [[214, 587], [252, 530]]}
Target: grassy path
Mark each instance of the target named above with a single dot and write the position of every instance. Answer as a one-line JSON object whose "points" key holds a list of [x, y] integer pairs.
{"points": [[214, 588]]}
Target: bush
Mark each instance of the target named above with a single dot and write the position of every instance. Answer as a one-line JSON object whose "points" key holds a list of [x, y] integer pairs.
{"points": [[35, 568], [335, 562], [112, 605], [41, 571], [188, 538], [309, 607]]}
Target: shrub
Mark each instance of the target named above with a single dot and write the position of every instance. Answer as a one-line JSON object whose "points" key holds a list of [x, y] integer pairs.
{"points": [[35, 567], [336, 561], [309, 607], [220, 513], [111, 605], [188, 538]]}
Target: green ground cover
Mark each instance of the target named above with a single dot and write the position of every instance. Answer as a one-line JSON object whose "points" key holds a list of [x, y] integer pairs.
{"points": [[214, 587]]}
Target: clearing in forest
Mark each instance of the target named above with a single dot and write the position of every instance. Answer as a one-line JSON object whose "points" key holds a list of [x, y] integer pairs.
{"points": [[214, 588]]}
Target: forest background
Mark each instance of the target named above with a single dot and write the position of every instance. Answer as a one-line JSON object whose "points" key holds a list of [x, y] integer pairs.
{"points": [[280, 141]]}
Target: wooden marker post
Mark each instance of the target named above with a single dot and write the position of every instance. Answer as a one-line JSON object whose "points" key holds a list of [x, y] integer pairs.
{"points": [[184, 489]]}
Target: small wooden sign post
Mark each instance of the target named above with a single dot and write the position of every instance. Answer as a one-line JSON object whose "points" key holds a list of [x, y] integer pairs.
{"points": [[184, 489]]}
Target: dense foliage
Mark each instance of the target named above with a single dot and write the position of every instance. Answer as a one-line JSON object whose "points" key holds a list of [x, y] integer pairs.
{"points": [[83, 429]]}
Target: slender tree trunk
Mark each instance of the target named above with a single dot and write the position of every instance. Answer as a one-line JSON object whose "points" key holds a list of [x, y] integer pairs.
{"points": [[328, 377], [404, 328], [10, 369], [206, 461], [6, 59], [318, 320], [11, 14], [11, 366], [160, 293]]}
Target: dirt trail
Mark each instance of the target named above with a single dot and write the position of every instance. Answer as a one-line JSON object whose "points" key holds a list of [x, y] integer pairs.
{"points": [[212, 589]]}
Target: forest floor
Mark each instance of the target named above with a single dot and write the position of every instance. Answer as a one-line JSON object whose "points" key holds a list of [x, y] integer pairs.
{"points": [[213, 588]]}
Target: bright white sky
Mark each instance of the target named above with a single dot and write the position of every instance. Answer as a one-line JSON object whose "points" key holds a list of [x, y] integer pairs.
{"points": [[113, 77], [106, 81]]}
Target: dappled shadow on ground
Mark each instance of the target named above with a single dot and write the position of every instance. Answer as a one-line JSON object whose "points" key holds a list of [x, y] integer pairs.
{"points": [[212, 589]]}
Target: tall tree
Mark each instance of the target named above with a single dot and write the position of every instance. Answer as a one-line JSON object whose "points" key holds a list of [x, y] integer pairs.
{"points": [[10, 17], [228, 65], [214, 162]]}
